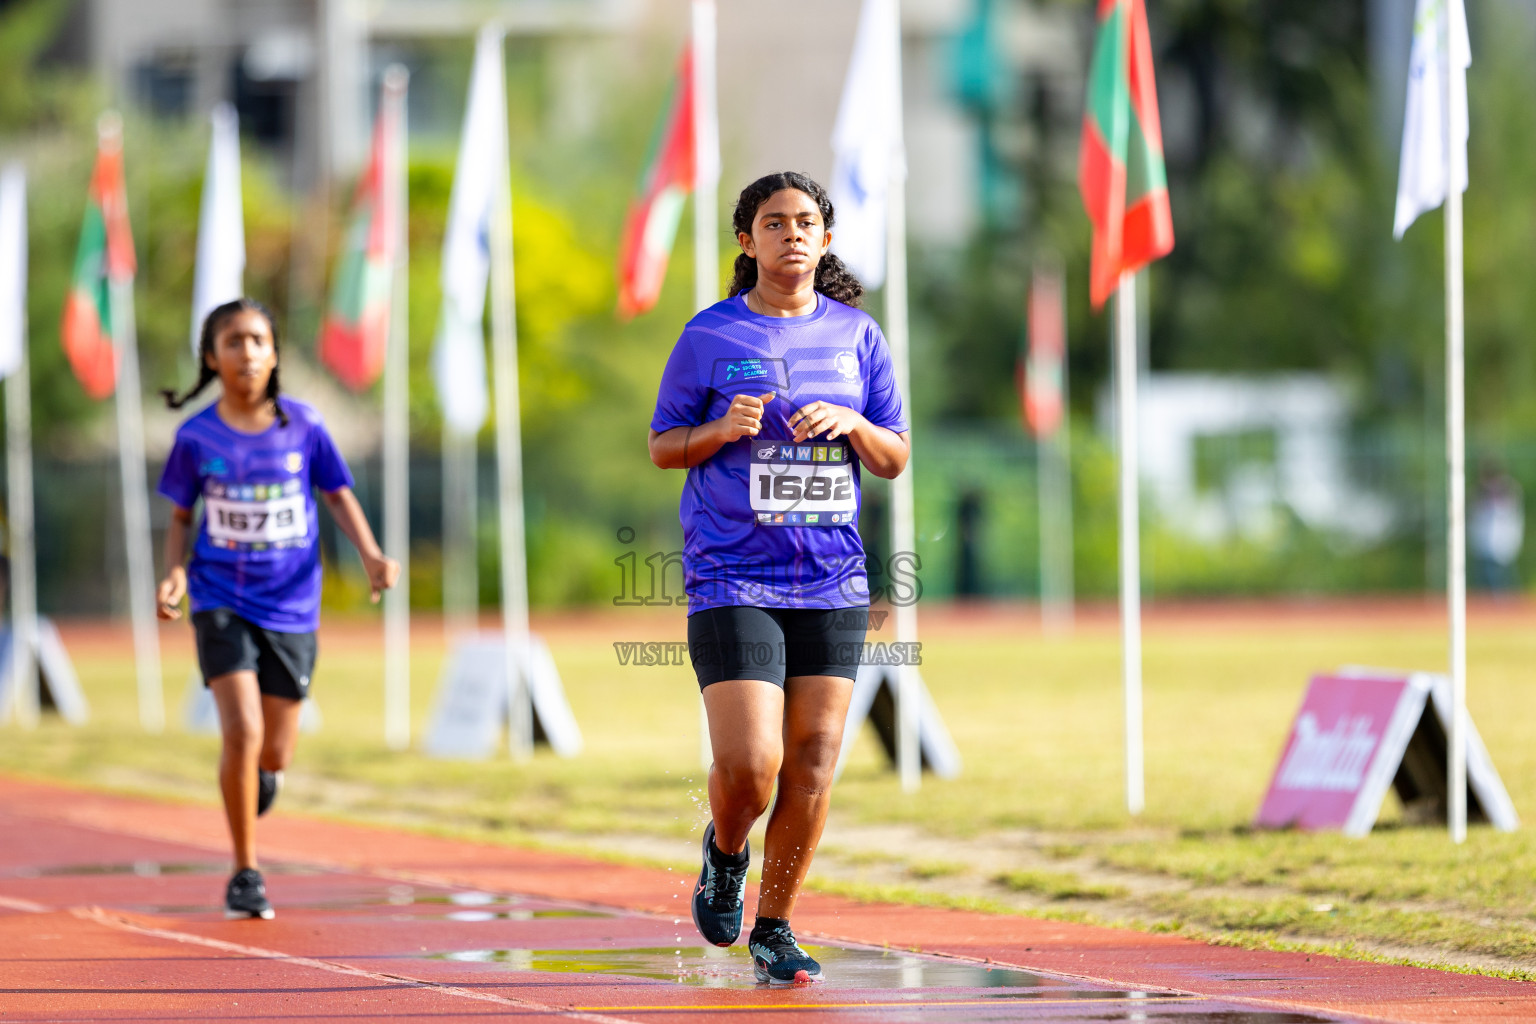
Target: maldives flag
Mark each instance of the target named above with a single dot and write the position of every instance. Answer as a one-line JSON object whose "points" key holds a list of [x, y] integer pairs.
{"points": [[1041, 377], [105, 255], [355, 332], [652, 222], [1120, 165]]}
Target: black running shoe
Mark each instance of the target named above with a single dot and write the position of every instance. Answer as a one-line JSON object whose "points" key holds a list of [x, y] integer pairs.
{"points": [[267, 785], [247, 896], [778, 959], [717, 898]]}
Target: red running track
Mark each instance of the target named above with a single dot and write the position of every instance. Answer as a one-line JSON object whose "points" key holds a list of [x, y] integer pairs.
{"points": [[110, 911]]}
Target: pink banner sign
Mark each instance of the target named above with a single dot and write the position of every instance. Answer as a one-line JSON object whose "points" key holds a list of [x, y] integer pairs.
{"points": [[1343, 750]]}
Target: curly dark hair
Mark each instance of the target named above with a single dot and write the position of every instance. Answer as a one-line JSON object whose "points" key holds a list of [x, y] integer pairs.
{"points": [[833, 279], [206, 374]]}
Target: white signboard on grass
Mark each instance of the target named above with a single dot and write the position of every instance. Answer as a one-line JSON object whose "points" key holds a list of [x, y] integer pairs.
{"points": [[60, 686], [874, 700], [473, 700]]}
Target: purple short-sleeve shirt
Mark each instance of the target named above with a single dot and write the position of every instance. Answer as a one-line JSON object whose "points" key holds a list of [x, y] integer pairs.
{"points": [[747, 538], [257, 551]]}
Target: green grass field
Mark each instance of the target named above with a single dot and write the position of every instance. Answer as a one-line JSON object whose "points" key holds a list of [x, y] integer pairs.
{"points": [[1035, 824]]}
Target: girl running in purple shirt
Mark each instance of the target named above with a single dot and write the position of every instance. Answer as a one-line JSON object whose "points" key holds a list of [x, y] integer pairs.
{"points": [[254, 457], [774, 401]]}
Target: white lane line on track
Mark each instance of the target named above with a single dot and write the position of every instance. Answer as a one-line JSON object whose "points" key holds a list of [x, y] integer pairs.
{"points": [[103, 917], [25, 906]]}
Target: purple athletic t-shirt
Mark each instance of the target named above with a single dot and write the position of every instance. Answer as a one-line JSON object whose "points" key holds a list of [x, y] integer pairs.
{"points": [[257, 551], [765, 522]]}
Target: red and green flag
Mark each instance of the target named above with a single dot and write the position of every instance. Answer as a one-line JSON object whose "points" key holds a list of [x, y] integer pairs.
{"points": [[652, 222], [354, 335], [1120, 165], [105, 256], [1041, 374]]}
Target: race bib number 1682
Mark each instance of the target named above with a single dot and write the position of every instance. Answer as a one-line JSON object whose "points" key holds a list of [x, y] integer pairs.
{"points": [[808, 484]]}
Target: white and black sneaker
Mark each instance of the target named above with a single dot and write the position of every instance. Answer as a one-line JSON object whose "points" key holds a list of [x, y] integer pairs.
{"points": [[777, 958], [267, 786], [247, 896]]}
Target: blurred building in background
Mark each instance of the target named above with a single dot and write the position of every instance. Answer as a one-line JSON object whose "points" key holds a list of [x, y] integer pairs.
{"points": [[1225, 455], [978, 76], [300, 71]]}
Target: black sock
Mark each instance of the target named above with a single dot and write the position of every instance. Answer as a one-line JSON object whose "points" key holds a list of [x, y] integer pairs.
{"points": [[764, 925], [726, 860]]}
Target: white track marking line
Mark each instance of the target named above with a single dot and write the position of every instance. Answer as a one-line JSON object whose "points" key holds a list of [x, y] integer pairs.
{"points": [[103, 917], [25, 906]]}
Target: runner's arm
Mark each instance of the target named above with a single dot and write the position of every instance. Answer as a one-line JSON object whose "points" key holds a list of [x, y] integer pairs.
{"points": [[686, 447], [382, 570], [883, 451], [174, 586], [702, 442]]}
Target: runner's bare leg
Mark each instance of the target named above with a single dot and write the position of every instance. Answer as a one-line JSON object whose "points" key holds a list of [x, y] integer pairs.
{"points": [[746, 734], [280, 718], [240, 719], [816, 708]]}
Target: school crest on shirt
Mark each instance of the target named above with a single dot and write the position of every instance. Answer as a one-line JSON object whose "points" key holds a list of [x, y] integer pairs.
{"points": [[293, 461], [847, 364]]}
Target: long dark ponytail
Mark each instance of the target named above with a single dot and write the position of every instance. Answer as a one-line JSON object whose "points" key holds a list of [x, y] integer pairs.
{"points": [[833, 279], [206, 374]]}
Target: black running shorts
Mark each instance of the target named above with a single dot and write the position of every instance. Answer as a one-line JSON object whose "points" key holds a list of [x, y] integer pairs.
{"points": [[283, 662], [774, 644]]}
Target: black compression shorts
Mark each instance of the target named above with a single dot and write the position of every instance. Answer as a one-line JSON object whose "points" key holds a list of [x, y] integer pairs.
{"points": [[774, 644], [283, 662]]}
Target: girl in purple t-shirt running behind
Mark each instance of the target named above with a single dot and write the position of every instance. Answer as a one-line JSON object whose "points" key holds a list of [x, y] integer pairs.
{"points": [[254, 458], [774, 400]]}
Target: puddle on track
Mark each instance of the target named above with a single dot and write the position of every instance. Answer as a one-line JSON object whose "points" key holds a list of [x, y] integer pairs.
{"points": [[151, 869], [917, 987], [901, 978], [411, 904], [141, 868], [712, 967]]}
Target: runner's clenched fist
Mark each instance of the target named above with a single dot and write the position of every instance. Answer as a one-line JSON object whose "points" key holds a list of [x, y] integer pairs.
{"points": [[745, 416], [818, 417]]}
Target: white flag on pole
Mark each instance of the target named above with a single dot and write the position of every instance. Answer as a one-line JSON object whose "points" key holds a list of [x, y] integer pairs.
{"points": [[13, 268], [220, 272], [458, 360], [867, 142], [1422, 173]]}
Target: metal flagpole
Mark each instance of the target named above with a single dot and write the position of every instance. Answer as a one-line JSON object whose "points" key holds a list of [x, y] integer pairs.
{"points": [[1126, 371], [909, 763], [1054, 483], [130, 457], [509, 462], [1455, 432], [130, 452], [706, 212], [18, 436], [397, 510], [1056, 521], [461, 500]]}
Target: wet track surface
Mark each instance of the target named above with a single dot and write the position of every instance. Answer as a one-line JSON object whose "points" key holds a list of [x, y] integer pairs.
{"points": [[96, 925]]}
